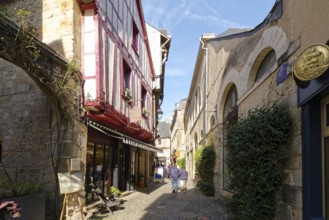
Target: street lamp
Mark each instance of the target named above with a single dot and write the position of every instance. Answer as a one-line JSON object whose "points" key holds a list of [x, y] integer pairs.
{"points": [[160, 113]]}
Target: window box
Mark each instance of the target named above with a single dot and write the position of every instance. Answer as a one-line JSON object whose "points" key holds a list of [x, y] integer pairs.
{"points": [[127, 94], [145, 112]]}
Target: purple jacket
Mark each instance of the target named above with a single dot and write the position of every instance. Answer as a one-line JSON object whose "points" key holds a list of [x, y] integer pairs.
{"points": [[183, 174], [174, 173]]}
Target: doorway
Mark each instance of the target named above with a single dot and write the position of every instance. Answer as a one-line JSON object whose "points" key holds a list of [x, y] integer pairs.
{"points": [[98, 169], [325, 135]]}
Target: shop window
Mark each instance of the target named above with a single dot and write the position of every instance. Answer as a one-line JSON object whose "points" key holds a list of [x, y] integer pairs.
{"points": [[135, 37]]}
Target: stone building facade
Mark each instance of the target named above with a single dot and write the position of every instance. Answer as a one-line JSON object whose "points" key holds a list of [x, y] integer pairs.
{"points": [[163, 141], [109, 133], [31, 122], [242, 71], [177, 131]]}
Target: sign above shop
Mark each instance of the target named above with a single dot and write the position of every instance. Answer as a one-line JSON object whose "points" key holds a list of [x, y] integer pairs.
{"points": [[311, 63]]}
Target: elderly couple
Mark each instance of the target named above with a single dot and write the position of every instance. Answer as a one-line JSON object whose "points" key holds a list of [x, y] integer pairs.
{"points": [[175, 174]]}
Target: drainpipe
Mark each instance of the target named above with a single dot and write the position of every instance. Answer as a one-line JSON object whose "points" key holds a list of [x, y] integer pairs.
{"points": [[206, 87], [165, 58]]}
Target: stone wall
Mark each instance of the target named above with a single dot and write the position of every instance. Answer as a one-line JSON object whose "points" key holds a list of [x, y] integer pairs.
{"points": [[232, 62], [24, 126], [30, 137], [57, 23]]}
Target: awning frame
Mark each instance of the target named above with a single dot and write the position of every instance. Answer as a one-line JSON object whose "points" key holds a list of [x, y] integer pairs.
{"points": [[125, 139]]}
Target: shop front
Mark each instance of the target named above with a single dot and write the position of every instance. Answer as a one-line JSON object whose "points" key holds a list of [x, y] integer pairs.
{"points": [[101, 164], [313, 98], [115, 160]]}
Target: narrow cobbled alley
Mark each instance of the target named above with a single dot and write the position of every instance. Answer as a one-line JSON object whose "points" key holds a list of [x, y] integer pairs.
{"points": [[158, 202]]}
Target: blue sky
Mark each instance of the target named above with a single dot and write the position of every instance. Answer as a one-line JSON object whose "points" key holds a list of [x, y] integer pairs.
{"points": [[186, 21]]}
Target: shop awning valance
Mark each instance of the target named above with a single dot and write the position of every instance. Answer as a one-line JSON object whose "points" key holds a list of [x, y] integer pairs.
{"points": [[125, 139]]}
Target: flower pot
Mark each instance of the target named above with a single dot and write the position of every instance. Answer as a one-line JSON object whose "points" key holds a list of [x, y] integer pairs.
{"points": [[141, 182], [33, 206]]}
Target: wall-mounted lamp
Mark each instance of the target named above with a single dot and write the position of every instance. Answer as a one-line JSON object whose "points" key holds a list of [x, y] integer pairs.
{"points": [[160, 113]]}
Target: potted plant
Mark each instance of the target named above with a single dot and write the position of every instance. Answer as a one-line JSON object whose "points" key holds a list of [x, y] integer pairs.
{"points": [[127, 94], [145, 112], [28, 194]]}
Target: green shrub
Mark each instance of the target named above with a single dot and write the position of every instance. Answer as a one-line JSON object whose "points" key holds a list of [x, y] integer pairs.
{"points": [[181, 162], [114, 190], [205, 162], [255, 154]]}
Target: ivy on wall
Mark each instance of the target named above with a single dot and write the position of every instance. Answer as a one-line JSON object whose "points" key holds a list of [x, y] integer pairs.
{"points": [[255, 156], [205, 162]]}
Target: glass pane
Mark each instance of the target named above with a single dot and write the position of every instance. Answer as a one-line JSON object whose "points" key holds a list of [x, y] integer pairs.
{"points": [[89, 170], [107, 171], [99, 162], [326, 168], [327, 115]]}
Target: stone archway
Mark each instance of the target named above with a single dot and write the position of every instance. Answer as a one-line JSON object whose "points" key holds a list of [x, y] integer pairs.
{"points": [[60, 83]]}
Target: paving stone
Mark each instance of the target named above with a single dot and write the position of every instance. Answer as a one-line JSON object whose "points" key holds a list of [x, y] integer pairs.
{"points": [[158, 202]]}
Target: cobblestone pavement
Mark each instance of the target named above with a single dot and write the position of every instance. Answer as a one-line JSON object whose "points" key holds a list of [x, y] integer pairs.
{"points": [[158, 202]]}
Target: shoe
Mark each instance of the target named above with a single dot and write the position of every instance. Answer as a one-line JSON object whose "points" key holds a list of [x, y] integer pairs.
{"points": [[173, 191]]}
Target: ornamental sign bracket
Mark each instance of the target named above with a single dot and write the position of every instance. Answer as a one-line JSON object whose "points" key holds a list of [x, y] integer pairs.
{"points": [[311, 63]]}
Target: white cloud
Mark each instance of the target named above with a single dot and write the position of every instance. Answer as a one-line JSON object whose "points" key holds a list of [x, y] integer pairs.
{"points": [[175, 72], [170, 13]]}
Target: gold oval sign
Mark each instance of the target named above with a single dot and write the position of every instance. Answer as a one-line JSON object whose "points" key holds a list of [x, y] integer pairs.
{"points": [[312, 62]]}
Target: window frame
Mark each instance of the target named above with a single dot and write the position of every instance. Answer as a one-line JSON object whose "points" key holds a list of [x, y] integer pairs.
{"points": [[126, 80], [135, 37]]}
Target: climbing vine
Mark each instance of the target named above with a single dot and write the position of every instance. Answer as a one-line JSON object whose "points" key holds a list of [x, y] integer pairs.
{"points": [[58, 80], [255, 156]]}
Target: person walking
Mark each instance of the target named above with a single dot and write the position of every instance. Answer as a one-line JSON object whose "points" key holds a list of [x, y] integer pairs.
{"points": [[183, 179], [174, 175]]}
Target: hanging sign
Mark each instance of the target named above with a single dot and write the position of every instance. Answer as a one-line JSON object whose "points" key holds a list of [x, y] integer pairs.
{"points": [[312, 62], [135, 114]]}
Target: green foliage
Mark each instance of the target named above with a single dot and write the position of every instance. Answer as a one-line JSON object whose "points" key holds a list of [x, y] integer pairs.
{"points": [[115, 191], [255, 157], [15, 188], [205, 162], [181, 162]]}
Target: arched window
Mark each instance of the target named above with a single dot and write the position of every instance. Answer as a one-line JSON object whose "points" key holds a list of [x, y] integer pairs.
{"points": [[230, 117], [266, 65], [212, 121], [230, 106]]}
